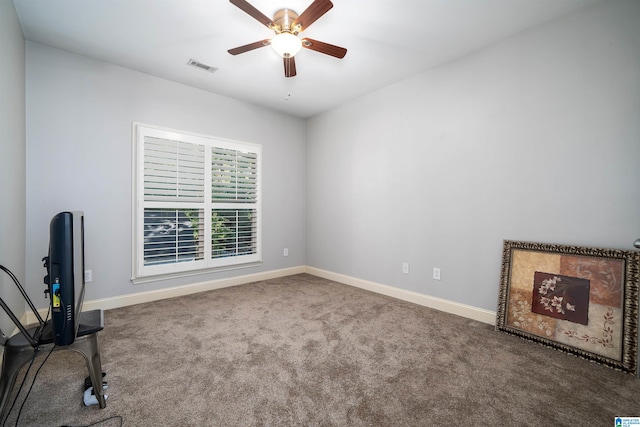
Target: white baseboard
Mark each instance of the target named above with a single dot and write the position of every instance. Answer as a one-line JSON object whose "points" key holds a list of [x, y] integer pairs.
{"points": [[159, 294], [479, 314], [447, 306]]}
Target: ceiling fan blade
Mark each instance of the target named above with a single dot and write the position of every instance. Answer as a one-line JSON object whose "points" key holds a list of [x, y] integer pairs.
{"points": [[252, 11], [326, 48], [247, 47], [312, 13], [289, 67]]}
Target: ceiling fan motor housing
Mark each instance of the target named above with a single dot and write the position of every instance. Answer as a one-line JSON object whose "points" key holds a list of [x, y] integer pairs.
{"points": [[284, 19]]}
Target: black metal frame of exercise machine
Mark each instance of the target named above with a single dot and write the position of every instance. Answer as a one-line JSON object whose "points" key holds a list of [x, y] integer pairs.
{"points": [[32, 341]]}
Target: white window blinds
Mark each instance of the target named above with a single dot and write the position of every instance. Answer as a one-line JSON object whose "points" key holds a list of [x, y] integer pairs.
{"points": [[173, 170], [233, 176], [197, 203]]}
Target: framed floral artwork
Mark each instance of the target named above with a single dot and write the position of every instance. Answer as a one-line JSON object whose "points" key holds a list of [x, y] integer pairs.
{"points": [[577, 299]]}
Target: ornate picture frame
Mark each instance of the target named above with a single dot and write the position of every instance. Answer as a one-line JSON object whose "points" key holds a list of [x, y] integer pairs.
{"points": [[576, 299]]}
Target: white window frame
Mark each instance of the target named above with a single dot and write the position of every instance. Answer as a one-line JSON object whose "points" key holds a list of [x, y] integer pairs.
{"points": [[144, 273]]}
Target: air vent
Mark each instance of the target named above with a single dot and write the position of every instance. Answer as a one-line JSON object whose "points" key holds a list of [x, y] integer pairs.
{"points": [[202, 66]]}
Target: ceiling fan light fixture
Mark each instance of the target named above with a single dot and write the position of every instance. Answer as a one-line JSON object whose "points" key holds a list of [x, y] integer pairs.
{"points": [[286, 44], [287, 25]]}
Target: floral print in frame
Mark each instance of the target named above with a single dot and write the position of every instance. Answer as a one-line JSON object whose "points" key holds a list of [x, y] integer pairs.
{"points": [[576, 299]]}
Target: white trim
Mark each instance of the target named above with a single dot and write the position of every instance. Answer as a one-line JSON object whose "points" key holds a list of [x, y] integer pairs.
{"points": [[470, 312], [158, 278], [160, 294]]}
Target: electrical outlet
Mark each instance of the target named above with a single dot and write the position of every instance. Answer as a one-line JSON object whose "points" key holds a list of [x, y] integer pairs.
{"points": [[405, 268], [436, 274], [285, 252], [88, 276]]}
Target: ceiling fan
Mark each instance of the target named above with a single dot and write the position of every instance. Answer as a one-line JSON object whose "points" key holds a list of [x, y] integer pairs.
{"points": [[287, 24]]}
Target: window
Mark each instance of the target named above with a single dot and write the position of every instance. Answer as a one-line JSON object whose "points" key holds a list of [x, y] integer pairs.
{"points": [[196, 203]]}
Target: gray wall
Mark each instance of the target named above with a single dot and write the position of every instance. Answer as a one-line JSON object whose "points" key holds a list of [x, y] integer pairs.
{"points": [[536, 138], [80, 112], [12, 159]]}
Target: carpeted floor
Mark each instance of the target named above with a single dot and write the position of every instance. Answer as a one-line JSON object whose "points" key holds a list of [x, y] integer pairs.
{"points": [[304, 351]]}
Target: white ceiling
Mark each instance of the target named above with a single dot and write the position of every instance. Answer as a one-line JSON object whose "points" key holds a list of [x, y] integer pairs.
{"points": [[387, 40]]}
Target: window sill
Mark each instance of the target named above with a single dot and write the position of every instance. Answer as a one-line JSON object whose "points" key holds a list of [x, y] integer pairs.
{"points": [[160, 277]]}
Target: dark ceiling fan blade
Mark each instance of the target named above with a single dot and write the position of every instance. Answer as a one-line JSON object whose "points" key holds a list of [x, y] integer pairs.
{"points": [[289, 67], [326, 48], [312, 13], [252, 11], [247, 47]]}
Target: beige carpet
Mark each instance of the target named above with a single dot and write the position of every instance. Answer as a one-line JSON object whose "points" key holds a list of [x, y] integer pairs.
{"points": [[304, 351]]}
